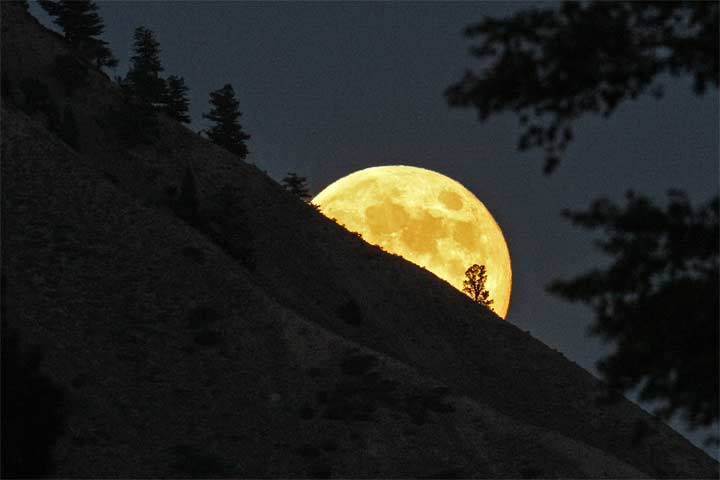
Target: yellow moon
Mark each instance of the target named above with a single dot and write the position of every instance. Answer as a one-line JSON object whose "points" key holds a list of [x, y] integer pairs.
{"points": [[427, 218]]}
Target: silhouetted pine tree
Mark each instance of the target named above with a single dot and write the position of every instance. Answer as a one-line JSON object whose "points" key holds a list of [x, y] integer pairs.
{"points": [[295, 184], [81, 26], [227, 131], [176, 101], [143, 78], [474, 285]]}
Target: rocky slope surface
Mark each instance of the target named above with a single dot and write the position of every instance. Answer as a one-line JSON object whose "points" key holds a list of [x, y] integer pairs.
{"points": [[257, 338]]}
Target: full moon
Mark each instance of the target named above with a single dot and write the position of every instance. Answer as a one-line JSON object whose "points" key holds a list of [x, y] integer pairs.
{"points": [[428, 219]]}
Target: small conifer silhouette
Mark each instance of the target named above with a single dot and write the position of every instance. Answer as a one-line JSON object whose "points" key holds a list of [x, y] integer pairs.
{"points": [[474, 285]]}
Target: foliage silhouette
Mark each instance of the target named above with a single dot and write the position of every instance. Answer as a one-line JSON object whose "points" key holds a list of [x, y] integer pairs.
{"points": [[176, 100], [537, 70], [36, 96], [69, 129], [193, 462], [296, 185], [7, 89], [226, 131], [53, 121], [358, 364], [658, 300], [351, 312], [71, 72], [134, 121], [31, 410], [227, 225], [474, 285], [143, 78], [81, 26], [187, 202]]}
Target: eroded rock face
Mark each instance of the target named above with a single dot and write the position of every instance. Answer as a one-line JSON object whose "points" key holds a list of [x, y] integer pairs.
{"points": [[264, 340]]}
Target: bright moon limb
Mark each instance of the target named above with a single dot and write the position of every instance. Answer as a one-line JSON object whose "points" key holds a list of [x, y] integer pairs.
{"points": [[428, 219]]}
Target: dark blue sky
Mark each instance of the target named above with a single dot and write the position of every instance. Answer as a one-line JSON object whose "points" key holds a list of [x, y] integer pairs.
{"points": [[330, 88]]}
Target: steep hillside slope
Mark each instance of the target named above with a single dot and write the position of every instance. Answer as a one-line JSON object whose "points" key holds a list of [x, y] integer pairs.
{"points": [[174, 362], [264, 339]]}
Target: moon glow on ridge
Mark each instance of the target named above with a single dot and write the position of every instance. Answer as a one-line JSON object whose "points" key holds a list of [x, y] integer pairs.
{"points": [[428, 219]]}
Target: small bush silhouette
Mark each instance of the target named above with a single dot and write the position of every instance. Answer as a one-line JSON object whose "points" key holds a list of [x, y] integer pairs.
{"points": [[193, 462], [68, 132], [358, 364], [320, 470], [350, 312], [187, 203], [52, 117], [419, 403], [227, 225], [474, 285], [31, 406], [358, 397], [209, 338], [306, 411], [530, 472], [170, 191], [202, 316], [71, 72], [448, 473], [193, 253], [134, 122], [36, 96], [7, 89], [308, 451]]}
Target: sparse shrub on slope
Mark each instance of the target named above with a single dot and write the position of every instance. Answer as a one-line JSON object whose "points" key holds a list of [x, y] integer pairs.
{"points": [[71, 72], [6, 86], [193, 462], [227, 226], [474, 285], [52, 117], [133, 121], [350, 312], [200, 320], [68, 129], [186, 205], [36, 99], [35, 96], [31, 404]]}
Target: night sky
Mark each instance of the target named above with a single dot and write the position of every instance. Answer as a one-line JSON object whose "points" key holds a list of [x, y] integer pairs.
{"points": [[330, 88]]}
